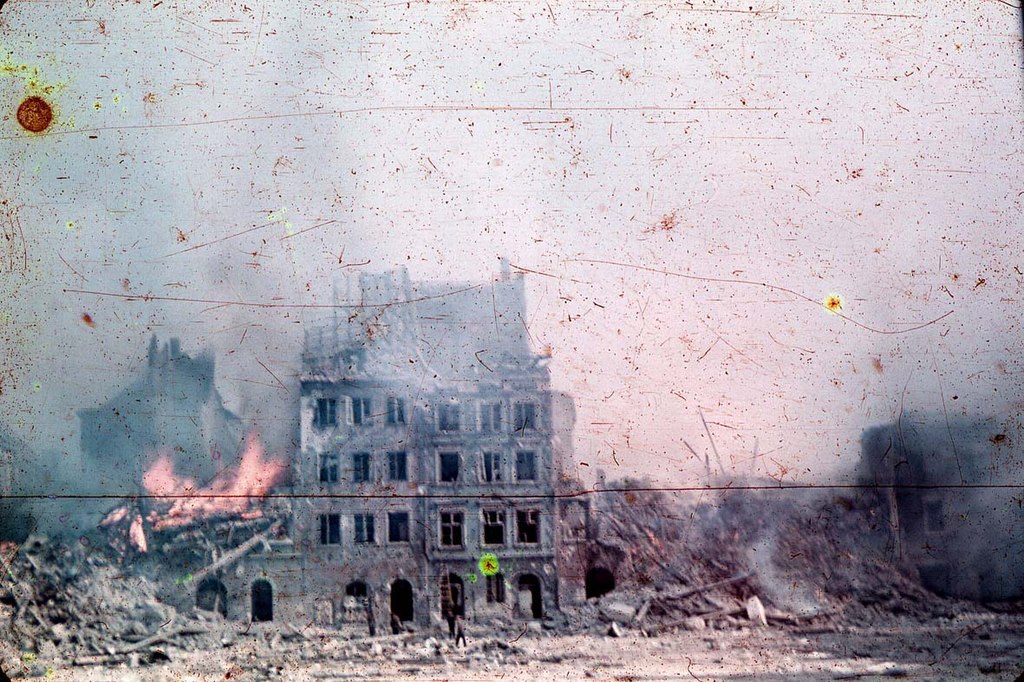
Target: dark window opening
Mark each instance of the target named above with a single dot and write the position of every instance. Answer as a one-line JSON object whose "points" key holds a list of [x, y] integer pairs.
{"points": [[212, 595], [524, 417], [492, 467], [330, 529], [496, 589], [262, 601], [361, 467], [451, 529], [326, 413], [364, 528], [490, 417], [528, 526], [599, 582], [397, 466], [329, 468], [448, 417], [398, 527], [449, 462], [526, 466], [360, 410], [494, 527], [357, 589], [396, 411]]}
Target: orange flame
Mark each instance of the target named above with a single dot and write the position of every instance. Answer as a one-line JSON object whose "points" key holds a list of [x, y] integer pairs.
{"points": [[232, 492]]}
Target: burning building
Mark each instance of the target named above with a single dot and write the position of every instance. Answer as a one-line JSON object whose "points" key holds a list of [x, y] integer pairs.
{"points": [[432, 445], [952, 500], [172, 410]]}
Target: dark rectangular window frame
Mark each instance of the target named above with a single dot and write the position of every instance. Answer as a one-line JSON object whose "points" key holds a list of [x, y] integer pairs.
{"points": [[325, 413], [455, 524], [330, 466], [449, 417], [486, 524], [330, 529], [398, 465], [360, 410], [526, 465], [490, 417], [396, 410], [364, 531], [362, 467], [397, 523], [490, 467], [524, 416], [445, 474], [532, 519]]}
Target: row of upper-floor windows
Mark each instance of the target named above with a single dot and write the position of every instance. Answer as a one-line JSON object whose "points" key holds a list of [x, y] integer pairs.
{"points": [[450, 467], [451, 528], [486, 417]]}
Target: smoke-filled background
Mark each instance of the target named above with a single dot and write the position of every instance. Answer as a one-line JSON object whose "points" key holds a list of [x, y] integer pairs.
{"points": [[688, 187]]}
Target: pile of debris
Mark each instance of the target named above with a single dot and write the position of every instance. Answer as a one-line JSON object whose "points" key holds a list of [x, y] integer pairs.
{"points": [[73, 599], [749, 558]]}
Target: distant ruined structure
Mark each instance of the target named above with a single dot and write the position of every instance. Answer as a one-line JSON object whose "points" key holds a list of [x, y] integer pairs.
{"points": [[953, 501], [173, 406]]}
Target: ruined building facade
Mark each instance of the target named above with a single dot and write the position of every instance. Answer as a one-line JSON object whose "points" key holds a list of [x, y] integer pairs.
{"points": [[951, 501], [172, 407], [431, 438]]}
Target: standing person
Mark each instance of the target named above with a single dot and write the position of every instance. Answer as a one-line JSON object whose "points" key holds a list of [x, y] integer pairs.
{"points": [[460, 633]]}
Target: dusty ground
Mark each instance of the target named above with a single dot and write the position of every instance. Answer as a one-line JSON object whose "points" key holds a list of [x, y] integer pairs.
{"points": [[988, 647]]}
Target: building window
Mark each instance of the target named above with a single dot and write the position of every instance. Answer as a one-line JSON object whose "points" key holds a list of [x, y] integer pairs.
{"points": [[490, 417], [330, 529], [494, 527], [492, 467], [448, 417], [449, 467], [528, 526], [361, 467], [364, 528], [934, 519], [526, 466], [451, 529], [396, 411], [398, 526], [397, 469], [524, 417], [360, 410], [496, 589], [329, 468], [326, 413]]}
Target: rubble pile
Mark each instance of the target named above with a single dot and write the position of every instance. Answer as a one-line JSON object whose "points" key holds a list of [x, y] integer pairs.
{"points": [[75, 600], [750, 558]]}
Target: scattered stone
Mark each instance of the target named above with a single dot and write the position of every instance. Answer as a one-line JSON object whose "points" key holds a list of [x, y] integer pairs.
{"points": [[755, 612]]}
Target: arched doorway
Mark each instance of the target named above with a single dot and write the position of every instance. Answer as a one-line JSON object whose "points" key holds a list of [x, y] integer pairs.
{"points": [[456, 597], [530, 595], [211, 595], [600, 582], [262, 601], [401, 600]]}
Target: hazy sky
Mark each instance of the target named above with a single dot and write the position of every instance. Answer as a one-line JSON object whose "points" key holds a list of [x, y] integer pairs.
{"points": [[684, 182]]}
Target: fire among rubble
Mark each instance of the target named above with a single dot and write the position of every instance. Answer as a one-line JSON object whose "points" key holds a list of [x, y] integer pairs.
{"points": [[176, 501], [232, 493]]}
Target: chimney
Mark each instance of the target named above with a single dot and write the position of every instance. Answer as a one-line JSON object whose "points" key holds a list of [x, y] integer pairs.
{"points": [[152, 350], [175, 351]]}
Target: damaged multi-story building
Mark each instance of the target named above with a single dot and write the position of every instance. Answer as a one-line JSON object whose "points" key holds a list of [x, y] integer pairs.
{"points": [[430, 439]]}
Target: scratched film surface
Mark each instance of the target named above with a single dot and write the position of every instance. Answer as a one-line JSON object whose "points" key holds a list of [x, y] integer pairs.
{"points": [[511, 339]]}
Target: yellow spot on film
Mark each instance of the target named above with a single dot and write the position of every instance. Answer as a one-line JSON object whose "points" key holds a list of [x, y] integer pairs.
{"points": [[833, 303]]}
